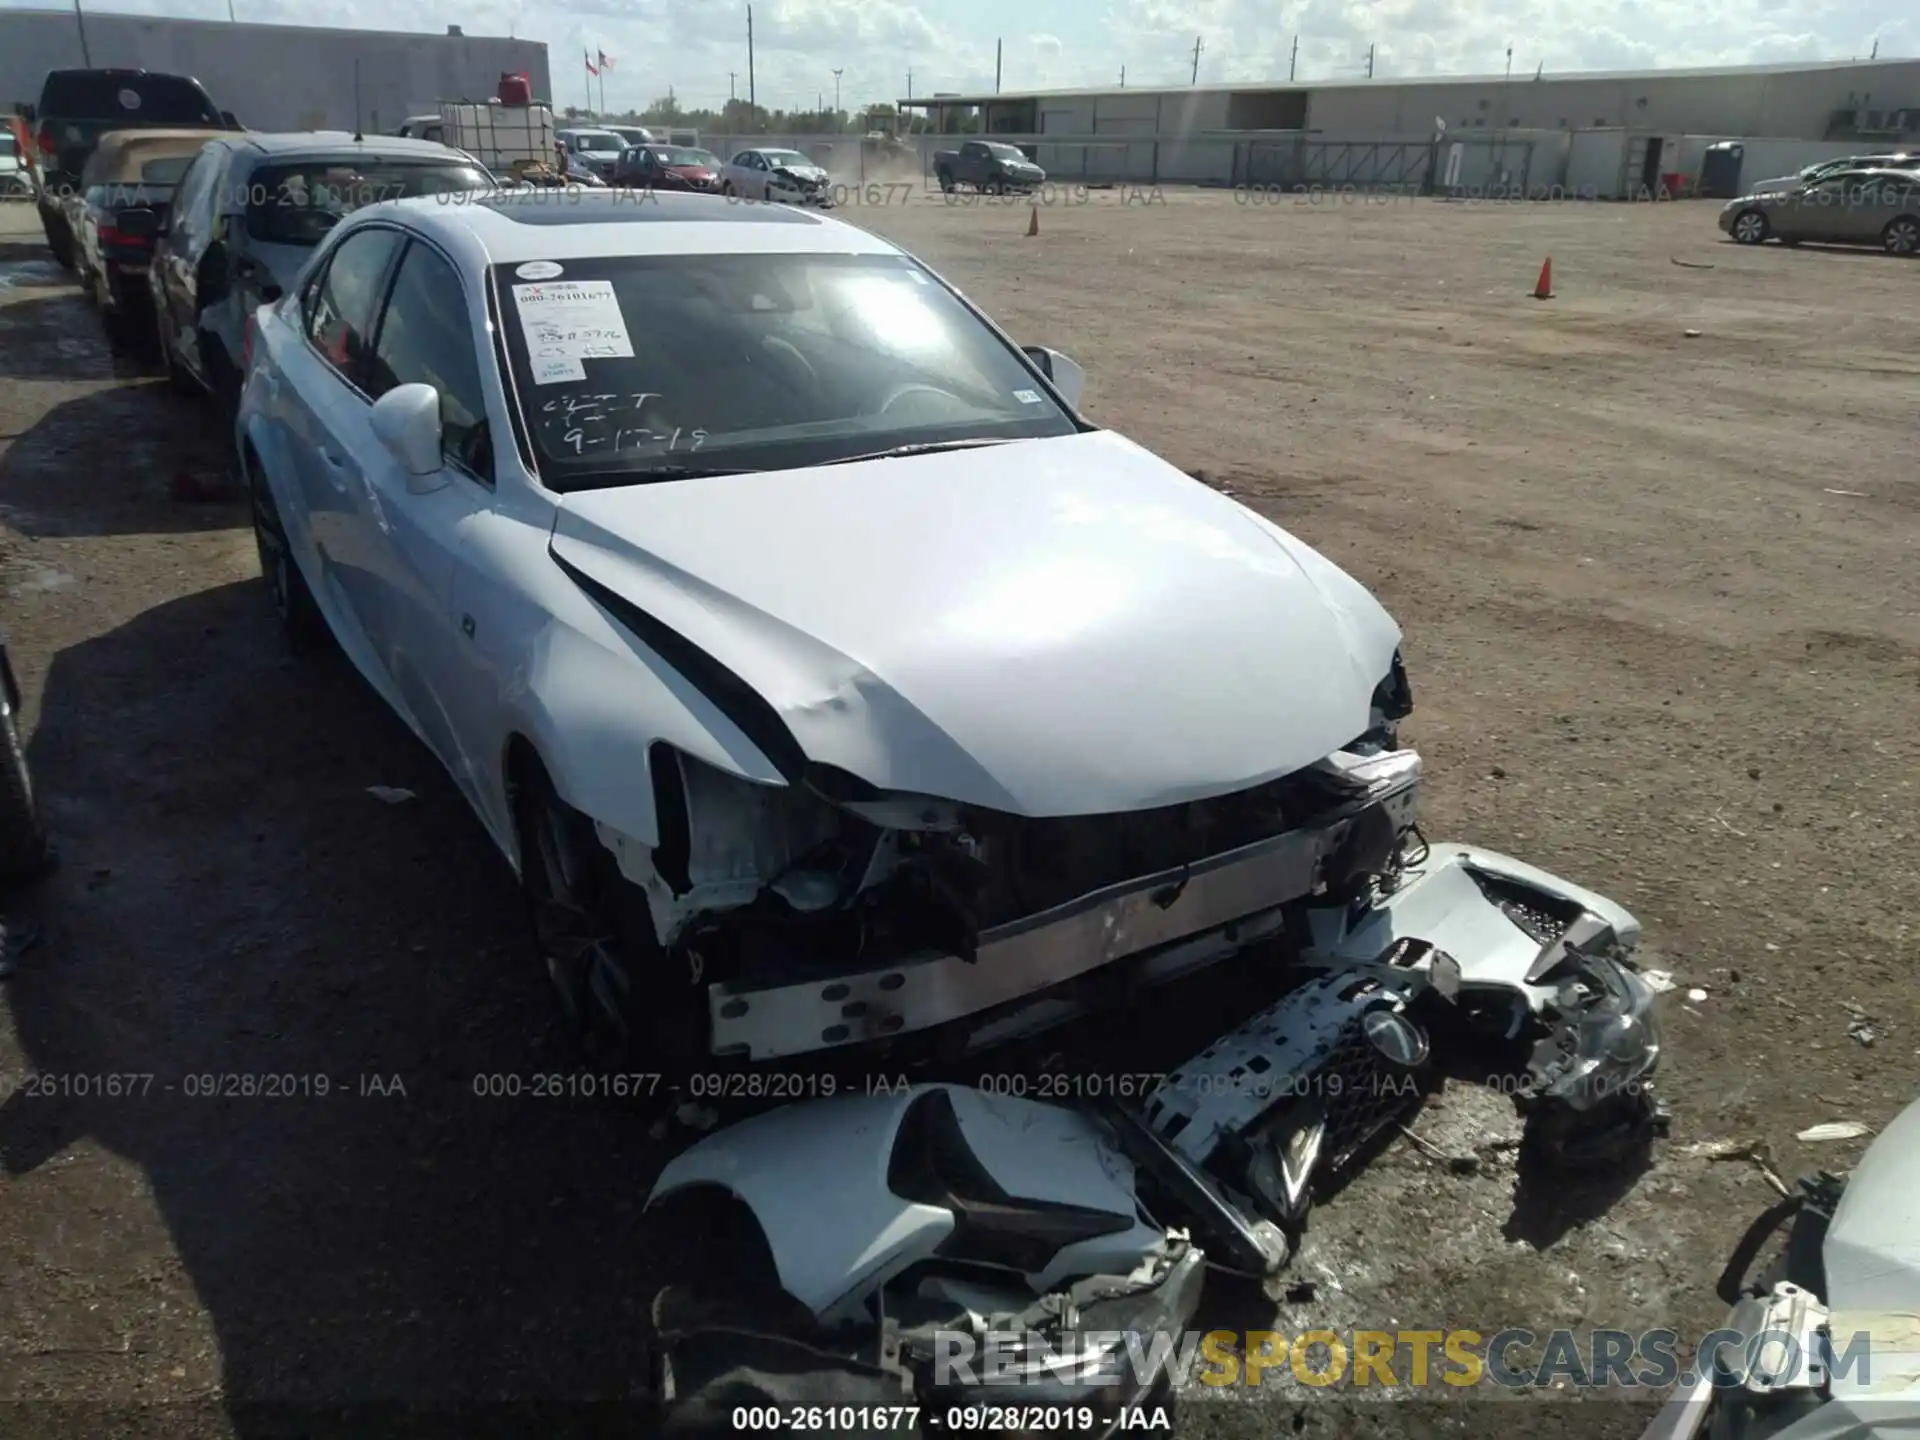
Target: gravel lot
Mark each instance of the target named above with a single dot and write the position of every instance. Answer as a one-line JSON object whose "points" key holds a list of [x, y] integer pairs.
{"points": [[1660, 594]]}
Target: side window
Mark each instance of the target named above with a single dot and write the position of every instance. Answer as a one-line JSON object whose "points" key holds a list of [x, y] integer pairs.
{"points": [[179, 229], [341, 309], [426, 338]]}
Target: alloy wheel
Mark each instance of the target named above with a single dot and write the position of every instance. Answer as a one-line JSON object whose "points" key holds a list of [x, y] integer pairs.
{"points": [[1902, 237], [1750, 228], [581, 952]]}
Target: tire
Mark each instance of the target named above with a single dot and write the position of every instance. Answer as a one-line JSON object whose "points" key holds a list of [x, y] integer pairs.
{"points": [[23, 838], [946, 181], [1902, 236], [587, 943], [726, 189], [58, 240], [1750, 227], [300, 618]]}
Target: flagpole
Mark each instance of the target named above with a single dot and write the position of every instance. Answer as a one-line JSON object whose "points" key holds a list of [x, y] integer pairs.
{"points": [[586, 74]]}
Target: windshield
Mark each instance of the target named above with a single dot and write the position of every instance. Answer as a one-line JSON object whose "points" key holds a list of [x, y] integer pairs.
{"points": [[7, 144], [754, 362], [166, 170], [599, 142], [1005, 152], [785, 157], [298, 203], [674, 156]]}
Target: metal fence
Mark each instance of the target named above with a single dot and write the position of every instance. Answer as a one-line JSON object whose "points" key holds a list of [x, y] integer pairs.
{"points": [[1334, 165]]}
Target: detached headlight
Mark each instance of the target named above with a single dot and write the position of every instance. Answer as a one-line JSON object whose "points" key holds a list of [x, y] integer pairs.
{"points": [[1608, 1040]]}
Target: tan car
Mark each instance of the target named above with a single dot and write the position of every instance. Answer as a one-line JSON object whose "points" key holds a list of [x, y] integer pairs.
{"points": [[1855, 207], [119, 207]]}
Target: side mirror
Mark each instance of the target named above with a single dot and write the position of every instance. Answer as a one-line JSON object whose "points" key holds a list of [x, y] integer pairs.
{"points": [[1065, 373], [407, 421]]}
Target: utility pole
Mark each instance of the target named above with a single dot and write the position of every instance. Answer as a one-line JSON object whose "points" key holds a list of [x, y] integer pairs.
{"points": [[1123, 77], [1876, 49], [1509, 62], [230, 16], [1370, 63], [86, 56], [1196, 61], [909, 84], [1294, 64], [836, 98], [731, 97], [752, 104], [996, 66]]}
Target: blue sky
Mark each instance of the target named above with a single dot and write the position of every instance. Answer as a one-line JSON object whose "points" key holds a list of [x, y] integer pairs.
{"points": [[691, 45]]}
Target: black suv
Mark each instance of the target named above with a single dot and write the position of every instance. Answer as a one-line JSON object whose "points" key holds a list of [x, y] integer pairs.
{"points": [[77, 107]]}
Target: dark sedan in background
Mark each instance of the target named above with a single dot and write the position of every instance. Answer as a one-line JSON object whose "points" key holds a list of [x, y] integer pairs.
{"points": [[667, 167]]}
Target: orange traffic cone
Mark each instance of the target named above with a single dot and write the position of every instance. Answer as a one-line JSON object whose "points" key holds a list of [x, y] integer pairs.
{"points": [[1033, 221], [1543, 287]]}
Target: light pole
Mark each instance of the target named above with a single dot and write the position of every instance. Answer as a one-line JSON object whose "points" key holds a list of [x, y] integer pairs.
{"points": [[836, 97]]}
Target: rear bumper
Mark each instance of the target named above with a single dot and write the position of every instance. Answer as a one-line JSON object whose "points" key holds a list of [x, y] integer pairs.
{"points": [[1159, 926]]}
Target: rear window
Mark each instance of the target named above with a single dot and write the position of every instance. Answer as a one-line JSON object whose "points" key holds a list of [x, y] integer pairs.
{"points": [[148, 99], [165, 171], [298, 203]]}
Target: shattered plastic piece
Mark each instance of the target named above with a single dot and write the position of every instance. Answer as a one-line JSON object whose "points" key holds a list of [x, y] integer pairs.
{"points": [[392, 794], [1863, 1032], [1696, 994], [1834, 1130], [1658, 981]]}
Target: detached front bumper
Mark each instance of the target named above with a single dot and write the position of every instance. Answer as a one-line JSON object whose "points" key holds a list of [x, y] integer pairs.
{"points": [[1158, 926]]}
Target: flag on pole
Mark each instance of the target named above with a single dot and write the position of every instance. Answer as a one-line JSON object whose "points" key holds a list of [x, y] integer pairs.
{"points": [[587, 60], [605, 63]]}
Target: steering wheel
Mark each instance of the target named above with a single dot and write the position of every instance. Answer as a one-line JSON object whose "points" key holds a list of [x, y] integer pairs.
{"points": [[791, 360], [912, 387]]}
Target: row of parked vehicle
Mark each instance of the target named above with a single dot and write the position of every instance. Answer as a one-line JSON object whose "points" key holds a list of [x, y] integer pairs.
{"points": [[1853, 200]]}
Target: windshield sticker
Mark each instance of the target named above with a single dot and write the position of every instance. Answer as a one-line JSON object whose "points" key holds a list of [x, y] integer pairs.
{"points": [[539, 270], [556, 368], [572, 320], [1027, 397]]}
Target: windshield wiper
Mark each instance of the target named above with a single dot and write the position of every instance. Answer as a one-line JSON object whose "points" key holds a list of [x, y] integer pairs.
{"points": [[930, 447], [606, 480]]}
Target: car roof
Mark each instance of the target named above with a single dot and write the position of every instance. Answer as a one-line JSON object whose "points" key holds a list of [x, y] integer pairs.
{"points": [[509, 227]]}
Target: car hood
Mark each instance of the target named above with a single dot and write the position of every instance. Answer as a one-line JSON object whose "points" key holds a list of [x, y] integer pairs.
{"points": [[801, 172], [689, 172], [1051, 627]]}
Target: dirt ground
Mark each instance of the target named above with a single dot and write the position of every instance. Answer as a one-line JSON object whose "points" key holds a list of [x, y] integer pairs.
{"points": [[1663, 624]]}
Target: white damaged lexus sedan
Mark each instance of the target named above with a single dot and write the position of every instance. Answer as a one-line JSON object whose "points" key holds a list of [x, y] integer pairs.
{"points": [[828, 680]]}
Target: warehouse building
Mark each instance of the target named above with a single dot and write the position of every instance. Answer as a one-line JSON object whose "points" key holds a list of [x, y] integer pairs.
{"points": [[272, 77], [1639, 127]]}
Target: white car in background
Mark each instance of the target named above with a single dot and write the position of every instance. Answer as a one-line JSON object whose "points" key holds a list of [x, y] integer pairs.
{"points": [[784, 175], [14, 179]]}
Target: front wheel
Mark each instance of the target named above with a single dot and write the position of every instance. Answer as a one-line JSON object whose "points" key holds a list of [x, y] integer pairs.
{"points": [[1750, 227], [1902, 236], [570, 883], [23, 838], [293, 603]]}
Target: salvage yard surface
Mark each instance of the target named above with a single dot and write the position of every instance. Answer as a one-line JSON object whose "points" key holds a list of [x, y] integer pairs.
{"points": [[1662, 604]]}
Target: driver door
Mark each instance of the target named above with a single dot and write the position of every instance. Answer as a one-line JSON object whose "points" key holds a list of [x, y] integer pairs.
{"points": [[413, 529]]}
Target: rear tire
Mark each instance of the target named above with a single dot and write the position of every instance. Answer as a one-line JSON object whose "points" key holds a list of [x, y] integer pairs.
{"points": [[1751, 227], [58, 240], [1902, 236], [946, 181]]}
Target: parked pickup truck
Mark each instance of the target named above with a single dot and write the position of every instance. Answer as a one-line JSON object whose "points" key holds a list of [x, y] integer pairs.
{"points": [[987, 165]]}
